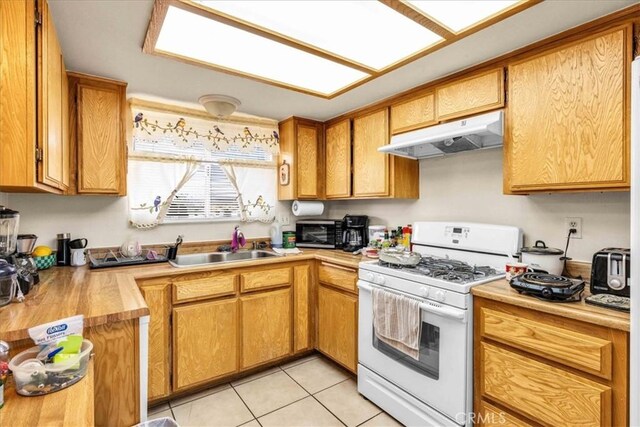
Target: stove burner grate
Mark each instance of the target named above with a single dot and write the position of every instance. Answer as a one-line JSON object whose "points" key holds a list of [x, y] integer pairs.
{"points": [[450, 270]]}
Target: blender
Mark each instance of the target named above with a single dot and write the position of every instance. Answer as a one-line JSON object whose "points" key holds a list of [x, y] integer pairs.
{"points": [[24, 265]]}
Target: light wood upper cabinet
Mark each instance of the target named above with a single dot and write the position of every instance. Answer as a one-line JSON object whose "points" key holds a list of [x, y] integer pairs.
{"points": [[338, 160], [370, 167], [567, 119], [34, 141], [205, 342], [266, 327], [157, 294], [53, 141], [470, 95], [414, 113], [377, 175], [100, 136], [338, 326], [301, 148]]}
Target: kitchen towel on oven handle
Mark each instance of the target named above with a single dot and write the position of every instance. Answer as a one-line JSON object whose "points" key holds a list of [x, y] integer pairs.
{"points": [[397, 321], [430, 307]]}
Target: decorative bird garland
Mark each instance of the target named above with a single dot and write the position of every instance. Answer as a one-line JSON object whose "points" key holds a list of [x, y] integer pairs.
{"points": [[214, 136]]}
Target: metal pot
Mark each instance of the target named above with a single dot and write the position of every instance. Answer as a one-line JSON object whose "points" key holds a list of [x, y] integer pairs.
{"points": [[541, 258]]}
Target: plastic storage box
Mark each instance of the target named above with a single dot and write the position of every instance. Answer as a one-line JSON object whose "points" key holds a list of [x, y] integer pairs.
{"points": [[35, 378]]}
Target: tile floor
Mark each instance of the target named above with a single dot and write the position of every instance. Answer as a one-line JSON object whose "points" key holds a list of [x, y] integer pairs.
{"points": [[311, 391]]}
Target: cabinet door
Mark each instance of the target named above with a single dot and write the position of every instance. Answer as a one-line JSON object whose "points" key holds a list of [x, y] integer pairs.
{"points": [[413, 114], [567, 121], [338, 160], [266, 327], [471, 95], [158, 298], [53, 136], [302, 309], [338, 326], [100, 138], [370, 167], [307, 159], [205, 342]]}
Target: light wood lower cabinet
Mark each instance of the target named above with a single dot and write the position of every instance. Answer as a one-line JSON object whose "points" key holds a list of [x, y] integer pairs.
{"points": [[205, 326], [534, 368], [302, 310], [266, 327], [338, 326], [205, 342], [157, 294]]}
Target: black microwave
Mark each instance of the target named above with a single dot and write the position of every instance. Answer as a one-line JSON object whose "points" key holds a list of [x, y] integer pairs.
{"points": [[319, 233]]}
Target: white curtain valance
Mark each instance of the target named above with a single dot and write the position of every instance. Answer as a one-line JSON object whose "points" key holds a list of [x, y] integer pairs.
{"points": [[179, 134]]}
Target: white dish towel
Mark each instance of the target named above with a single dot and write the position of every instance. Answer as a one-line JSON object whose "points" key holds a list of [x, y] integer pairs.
{"points": [[397, 321]]}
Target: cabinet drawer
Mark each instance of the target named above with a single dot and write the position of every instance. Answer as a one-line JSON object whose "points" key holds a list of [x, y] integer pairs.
{"points": [[489, 415], [587, 353], [204, 287], [335, 275], [265, 279], [545, 394]]}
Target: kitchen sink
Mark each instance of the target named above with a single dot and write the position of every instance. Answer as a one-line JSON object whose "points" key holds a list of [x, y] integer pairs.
{"points": [[191, 260]]}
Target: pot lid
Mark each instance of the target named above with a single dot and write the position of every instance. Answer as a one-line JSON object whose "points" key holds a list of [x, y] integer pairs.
{"points": [[8, 213], [540, 248], [6, 269]]}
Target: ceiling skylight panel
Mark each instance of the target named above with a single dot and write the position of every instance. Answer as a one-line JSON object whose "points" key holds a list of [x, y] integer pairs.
{"points": [[202, 39], [366, 32], [461, 14]]}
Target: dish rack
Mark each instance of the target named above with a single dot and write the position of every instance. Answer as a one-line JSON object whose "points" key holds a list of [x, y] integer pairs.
{"points": [[115, 258]]}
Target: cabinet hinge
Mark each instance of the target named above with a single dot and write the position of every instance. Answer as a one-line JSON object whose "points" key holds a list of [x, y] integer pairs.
{"points": [[38, 19], [38, 154]]}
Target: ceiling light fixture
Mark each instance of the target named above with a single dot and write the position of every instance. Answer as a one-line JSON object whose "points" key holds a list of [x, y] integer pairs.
{"points": [[219, 105]]}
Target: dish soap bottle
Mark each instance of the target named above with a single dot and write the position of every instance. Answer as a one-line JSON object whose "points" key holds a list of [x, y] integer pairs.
{"points": [[276, 235]]}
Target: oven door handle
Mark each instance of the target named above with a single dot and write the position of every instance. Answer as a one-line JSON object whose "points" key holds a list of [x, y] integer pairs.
{"points": [[450, 313]]}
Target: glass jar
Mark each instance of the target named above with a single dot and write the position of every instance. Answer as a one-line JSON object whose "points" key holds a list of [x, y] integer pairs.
{"points": [[8, 280]]}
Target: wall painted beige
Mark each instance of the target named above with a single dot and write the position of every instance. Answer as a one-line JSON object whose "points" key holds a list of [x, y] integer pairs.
{"points": [[468, 187], [103, 221]]}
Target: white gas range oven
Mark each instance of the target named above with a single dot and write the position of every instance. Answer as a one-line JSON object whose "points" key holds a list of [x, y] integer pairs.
{"points": [[436, 389]]}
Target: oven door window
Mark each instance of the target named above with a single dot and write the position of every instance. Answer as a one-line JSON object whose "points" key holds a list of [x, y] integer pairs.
{"points": [[428, 362], [317, 234]]}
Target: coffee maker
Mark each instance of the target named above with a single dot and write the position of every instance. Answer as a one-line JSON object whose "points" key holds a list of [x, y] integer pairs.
{"points": [[16, 249], [354, 236]]}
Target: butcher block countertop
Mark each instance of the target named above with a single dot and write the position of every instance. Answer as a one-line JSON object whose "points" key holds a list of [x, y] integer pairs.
{"points": [[112, 295], [72, 406], [500, 290]]}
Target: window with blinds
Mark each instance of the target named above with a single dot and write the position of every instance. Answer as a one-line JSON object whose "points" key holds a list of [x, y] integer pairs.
{"points": [[209, 195]]}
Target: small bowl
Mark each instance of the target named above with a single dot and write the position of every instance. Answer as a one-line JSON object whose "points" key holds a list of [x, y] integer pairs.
{"points": [[45, 262]]}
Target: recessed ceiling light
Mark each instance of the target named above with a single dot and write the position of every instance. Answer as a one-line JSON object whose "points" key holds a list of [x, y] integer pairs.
{"points": [[367, 32], [461, 14], [188, 35]]}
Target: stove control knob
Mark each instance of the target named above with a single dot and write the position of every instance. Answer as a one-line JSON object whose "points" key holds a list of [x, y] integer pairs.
{"points": [[547, 292], [616, 284], [369, 277], [424, 291], [379, 279], [439, 296]]}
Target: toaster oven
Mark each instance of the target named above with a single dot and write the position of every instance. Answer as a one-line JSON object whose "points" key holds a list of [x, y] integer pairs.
{"points": [[319, 233], [610, 272]]}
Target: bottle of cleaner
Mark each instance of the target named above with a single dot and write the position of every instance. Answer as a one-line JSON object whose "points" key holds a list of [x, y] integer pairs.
{"points": [[276, 235]]}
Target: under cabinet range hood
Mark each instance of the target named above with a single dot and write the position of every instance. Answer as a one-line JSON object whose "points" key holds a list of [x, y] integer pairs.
{"points": [[474, 133]]}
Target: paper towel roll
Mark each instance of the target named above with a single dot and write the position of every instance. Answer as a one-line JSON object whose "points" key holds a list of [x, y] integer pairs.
{"points": [[307, 208]]}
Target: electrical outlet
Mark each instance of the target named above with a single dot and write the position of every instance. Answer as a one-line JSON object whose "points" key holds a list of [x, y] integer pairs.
{"points": [[284, 218], [573, 222]]}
